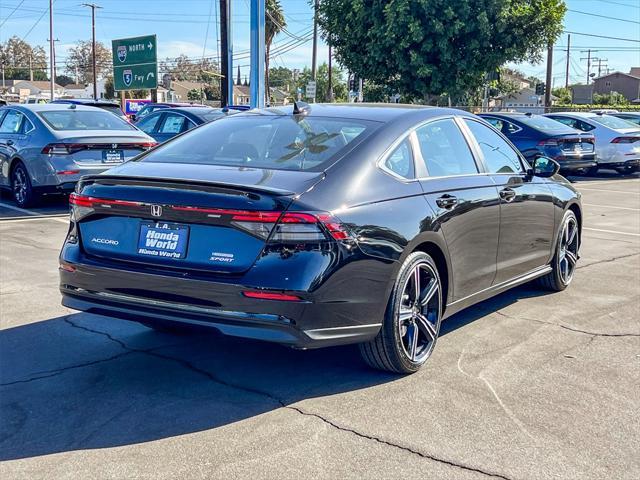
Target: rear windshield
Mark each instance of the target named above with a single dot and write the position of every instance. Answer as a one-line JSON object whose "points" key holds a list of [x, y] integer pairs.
{"points": [[612, 122], [207, 117], [83, 120], [265, 141], [115, 109], [545, 124]]}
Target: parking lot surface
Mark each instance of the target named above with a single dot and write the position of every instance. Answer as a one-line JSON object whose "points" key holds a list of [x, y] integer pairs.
{"points": [[526, 385]]}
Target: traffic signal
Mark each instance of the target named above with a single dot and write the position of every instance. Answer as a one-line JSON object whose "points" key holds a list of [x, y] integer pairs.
{"points": [[352, 84], [540, 88]]}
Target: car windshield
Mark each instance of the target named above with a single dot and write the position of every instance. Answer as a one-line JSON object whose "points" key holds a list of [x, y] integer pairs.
{"points": [[265, 141], [612, 122], [545, 124], [72, 119]]}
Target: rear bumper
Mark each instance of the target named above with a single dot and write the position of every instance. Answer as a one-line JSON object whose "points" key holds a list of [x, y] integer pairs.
{"points": [[573, 163], [329, 315], [631, 165]]}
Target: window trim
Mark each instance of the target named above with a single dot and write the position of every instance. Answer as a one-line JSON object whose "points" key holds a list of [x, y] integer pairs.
{"points": [[155, 125], [523, 163]]}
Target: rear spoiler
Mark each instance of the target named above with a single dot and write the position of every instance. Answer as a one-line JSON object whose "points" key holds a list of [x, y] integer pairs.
{"points": [[200, 185]]}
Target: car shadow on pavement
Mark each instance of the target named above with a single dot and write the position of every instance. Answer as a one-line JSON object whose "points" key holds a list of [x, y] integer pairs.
{"points": [[85, 382]]}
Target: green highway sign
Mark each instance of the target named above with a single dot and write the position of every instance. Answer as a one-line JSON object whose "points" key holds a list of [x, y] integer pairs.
{"points": [[135, 63]]}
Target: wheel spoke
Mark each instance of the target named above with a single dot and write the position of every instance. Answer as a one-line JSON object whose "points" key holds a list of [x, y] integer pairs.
{"points": [[412, 333], [430, 291], [572, 236], [416, 284], [405, 315], [426, 327], [571, 258]]}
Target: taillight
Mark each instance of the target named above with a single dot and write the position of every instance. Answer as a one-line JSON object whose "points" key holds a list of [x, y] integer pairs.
{"points": [[548, 142], [625, 139], [142, 145], [63, 148], [291, 226]]}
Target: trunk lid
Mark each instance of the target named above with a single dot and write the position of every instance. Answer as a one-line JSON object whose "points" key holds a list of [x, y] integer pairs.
{"points": [[200, 217], [94, 148]]}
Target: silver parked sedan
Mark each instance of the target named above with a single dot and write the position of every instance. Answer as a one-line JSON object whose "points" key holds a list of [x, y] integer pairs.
{"points": [[46, 148]]}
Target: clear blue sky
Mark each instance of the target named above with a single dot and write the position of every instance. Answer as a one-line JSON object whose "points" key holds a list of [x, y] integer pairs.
{"points": [[183, 26]]}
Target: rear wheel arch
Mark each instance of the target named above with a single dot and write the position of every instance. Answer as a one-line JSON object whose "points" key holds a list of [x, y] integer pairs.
{"points": [[575, 208], [436, 252]]}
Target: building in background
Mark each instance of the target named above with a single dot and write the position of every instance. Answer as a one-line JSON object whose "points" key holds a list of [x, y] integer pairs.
{"points": [[626, 84]]}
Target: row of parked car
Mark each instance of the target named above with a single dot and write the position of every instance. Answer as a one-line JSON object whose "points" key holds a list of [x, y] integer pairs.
{"points": [[581, 142], [46, 148]]}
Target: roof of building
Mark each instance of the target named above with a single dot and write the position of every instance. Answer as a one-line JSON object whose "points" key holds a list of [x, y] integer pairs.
{"points": [[616, 74], [75, 86], [39, 84]]}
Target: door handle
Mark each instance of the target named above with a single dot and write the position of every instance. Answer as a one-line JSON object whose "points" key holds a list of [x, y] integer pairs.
{"points": [[508, 194], [447, 201]]}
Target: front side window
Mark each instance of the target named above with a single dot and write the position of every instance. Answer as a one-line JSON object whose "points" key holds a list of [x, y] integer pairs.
{"points": [[444, 149], [499, 156], [148, 125], [400, 161], [72, 119], [265, 141]]}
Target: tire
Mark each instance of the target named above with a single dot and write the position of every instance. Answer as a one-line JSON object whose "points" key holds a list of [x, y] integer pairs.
{"points": [[591, 172], [564, 260], [21, 189], [393, 349]]}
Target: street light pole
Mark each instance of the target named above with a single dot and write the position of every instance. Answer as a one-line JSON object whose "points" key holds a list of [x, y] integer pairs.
{"points": [[93, 7], [52, 73]]}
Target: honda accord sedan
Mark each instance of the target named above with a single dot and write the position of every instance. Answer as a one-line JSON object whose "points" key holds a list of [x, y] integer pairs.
{"points": [[45, 148], [321, 225]]}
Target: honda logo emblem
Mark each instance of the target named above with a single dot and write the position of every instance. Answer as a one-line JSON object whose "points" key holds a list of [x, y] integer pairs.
{"points": [[156, 210]]}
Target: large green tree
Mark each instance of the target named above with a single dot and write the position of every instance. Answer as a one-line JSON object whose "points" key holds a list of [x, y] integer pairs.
{"points": [[20, 60], [424, 48]]}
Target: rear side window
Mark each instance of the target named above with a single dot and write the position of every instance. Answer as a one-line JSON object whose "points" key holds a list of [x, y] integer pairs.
{"points": [[504, 126], [287, 142], [444, 149], [498, 155], [400, 161], [12, 122], [148, 124]]}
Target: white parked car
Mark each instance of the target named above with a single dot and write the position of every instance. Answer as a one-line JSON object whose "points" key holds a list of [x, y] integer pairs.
{"points": [[617, 140]]}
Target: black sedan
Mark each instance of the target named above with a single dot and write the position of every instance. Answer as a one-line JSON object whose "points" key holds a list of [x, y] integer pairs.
{"points": [[321, 225], [166, 123], [536, 136]]}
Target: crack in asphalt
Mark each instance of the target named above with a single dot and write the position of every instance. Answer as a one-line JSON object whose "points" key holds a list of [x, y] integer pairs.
{"points": [[607, 260], [566, 327], [281, 403]]}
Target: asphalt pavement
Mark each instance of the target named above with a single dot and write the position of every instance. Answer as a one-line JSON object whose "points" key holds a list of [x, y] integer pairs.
{"points": [[526, 385]]}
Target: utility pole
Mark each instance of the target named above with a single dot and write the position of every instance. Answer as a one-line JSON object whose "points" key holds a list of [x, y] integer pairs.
{"points": [[600, 60], [30, 68], [330, 82], [547, 91], [226, 50], [588, 59], [93, 7], [314, 54], [566, 75], [52, 57]]}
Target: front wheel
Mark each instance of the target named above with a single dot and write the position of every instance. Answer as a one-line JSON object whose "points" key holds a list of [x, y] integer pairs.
{"points": [[565, 259], [412, 320], [591, 172]]}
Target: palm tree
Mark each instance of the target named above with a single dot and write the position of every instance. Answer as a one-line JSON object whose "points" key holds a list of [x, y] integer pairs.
{"points": [[274, 24]]}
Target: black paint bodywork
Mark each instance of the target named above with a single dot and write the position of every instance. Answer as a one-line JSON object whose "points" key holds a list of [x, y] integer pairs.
{"points": [[482, 246]]}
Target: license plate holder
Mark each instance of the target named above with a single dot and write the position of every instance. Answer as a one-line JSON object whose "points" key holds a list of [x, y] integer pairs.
{"points": [[163, 240], [112, 156]]}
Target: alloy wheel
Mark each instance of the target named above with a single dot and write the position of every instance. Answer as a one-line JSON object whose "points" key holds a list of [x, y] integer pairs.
{"points": [[20, 185], [568, 252], [419, 313]]}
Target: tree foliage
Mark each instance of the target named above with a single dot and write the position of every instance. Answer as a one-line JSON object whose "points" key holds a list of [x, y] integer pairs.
{"points": [[423, 48], [16, 55], [184, 68], [611, 98], [322, 83], [80, 61]]}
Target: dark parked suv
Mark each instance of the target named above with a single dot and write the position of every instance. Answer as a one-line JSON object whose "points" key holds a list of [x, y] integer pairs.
{"points": [[537, 136]]}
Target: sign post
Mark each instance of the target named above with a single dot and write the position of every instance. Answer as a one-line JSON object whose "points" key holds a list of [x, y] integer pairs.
{"points": [[135, 63]]}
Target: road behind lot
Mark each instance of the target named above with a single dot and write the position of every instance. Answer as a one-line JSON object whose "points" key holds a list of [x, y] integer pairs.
{"points": [[526, 385]]}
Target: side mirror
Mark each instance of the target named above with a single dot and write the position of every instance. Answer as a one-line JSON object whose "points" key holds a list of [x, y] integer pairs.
{"points": [[544, 167], [133, 118]]}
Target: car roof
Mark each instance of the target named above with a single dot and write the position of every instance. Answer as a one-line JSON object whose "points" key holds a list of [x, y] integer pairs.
{"points": [[378, 112], [630, 114], [48, 107], [86, 101], [176, 104], [576, 114]]}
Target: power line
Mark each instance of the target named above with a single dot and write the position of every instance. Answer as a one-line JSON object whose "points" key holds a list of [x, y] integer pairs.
{"points": [[12, 12], [603, 36], [618, 3], [603, 16]]}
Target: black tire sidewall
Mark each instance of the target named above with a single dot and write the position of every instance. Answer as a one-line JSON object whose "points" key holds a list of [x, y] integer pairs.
{"points": [[390, 323]]}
